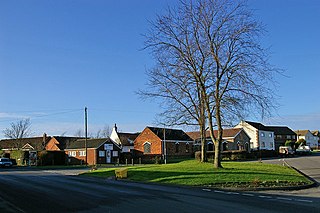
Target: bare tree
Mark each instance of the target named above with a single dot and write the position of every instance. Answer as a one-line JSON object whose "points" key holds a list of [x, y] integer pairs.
{"points": [[106, 131], [79, 133], [20, 129], [102, 133], [210, 50]]}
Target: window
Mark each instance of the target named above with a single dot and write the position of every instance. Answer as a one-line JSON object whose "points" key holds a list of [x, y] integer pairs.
{"points": [[270, 135], [82, 153], [293, 137], [187, 147], [224, 146], [288, 136], [115, 153], [147, 148], [102, 153], [263, 144], [271, 145], [72, 154], [177, 147], [262, 134]]}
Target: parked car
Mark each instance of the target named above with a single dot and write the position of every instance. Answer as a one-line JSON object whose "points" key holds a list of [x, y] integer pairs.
{"points": [[5, 162], [285, 151], [304, 150]]}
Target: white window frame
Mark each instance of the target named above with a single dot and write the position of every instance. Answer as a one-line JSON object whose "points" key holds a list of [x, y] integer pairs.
{"points": [[72, 153], [102, 153], [82, 153]]}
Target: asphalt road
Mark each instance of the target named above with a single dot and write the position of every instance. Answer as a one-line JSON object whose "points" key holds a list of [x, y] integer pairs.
{"points": [[53, 191], [309, 165]]}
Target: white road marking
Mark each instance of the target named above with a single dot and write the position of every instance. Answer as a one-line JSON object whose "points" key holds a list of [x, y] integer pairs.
{"points": [[233, 193], [283, 198], [263, 196], [245, 194], [207, 190], [307, 201]]}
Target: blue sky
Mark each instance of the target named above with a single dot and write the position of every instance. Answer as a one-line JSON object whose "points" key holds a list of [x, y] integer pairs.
{"points": [[58, 56]]}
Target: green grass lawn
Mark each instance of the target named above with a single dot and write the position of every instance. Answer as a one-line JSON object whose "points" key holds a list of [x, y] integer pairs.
{"points": [[194, 173]]}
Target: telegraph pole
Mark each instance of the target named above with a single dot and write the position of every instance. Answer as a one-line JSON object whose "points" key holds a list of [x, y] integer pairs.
{"points": [[164, 145], [86, 132]]}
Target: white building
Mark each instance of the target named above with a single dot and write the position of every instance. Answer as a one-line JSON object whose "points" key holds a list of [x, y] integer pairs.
{"points": [[261, 136], [311, 140], [124, 140]]}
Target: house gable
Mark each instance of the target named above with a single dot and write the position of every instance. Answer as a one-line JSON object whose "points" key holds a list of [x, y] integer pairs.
{"points": [[27, 146], [52, 145], [148, 136]]}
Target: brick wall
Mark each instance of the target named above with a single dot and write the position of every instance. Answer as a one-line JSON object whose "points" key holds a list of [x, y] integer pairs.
{"points": [[179, 149], [148, 136]]}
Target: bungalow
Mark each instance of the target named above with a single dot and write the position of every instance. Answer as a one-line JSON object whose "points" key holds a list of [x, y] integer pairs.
{"points": [[261, 136], [311, 140], [124, 140], [99, 151], [25, 144], [233, 139], [158, 141]]}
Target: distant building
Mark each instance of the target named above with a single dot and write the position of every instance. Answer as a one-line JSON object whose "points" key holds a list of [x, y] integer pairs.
{"points": [[154, 141], [282, 134], [233, 139], [99, 151], [261, 136], [311, 140], [124, 140]]}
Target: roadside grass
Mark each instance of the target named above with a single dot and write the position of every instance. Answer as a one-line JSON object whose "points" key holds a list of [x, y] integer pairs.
{"points": [[194, 173]]}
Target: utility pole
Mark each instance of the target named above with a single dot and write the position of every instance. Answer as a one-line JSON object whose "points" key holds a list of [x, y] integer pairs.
{"points": [[86, 132], [164, 145]]}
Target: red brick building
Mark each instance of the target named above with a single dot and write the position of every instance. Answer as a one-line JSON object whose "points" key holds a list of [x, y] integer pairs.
{"points": [[99, 151], [157, 141]]}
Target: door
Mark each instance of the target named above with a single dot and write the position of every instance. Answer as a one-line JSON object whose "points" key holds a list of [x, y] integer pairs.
{"points": [[108, 156]]}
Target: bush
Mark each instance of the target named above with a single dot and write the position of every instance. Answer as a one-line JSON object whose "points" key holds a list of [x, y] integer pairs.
{"points": [[290, 143]]}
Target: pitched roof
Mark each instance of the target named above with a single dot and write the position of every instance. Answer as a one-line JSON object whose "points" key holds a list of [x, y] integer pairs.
{"points": [[316, 133], [35, 142], [281, 130], [258, 126], [91, 143], [227, 133], [127, 138], [64, 141], [171, 134], [301, 132]]}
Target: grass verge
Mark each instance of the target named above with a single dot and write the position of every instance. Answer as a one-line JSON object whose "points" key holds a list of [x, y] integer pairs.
{"points": [[194, 173]]}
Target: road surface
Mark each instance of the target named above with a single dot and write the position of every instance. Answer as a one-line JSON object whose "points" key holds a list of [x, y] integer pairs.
{"points": [[53, 191]]}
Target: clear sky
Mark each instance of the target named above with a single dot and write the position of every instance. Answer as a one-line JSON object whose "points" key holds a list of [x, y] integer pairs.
{"points": [[58, 56]]}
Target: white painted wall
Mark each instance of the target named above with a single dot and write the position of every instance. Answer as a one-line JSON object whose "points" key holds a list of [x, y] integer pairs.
{"points": [[257, 139], [266, 140], [114, 136], [311, 140]]}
